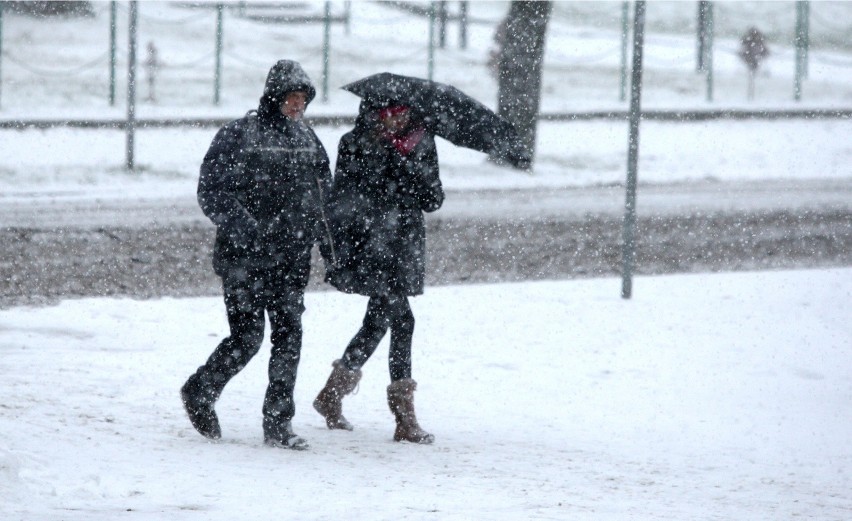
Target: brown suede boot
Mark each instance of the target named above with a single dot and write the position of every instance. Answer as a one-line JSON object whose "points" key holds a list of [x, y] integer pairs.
{"points": [[401, 402], [329, 401]]}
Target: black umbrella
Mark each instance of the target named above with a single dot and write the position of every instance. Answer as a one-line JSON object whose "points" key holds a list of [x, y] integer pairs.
{"points": [[447, 112]]}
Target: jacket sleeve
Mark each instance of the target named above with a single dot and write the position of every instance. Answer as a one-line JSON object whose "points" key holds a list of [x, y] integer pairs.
{"points": [[323, 174], [420, 181], [324, 183], [216, 191]]}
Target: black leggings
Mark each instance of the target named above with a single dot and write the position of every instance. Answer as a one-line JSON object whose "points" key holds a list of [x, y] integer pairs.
{"points": [[389, 311]]}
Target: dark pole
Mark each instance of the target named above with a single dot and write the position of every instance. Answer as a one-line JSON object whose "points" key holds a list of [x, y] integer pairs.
{"points": [[625, 30], [442, 23], [801, 44], [1, 51], [463, 24], [347, 6], [806, 32], [430, 62], [217, 74], [131, 85], [633, 151], [701, 32], [708, 49], [326, 49], [112, 52], [797, 78]]}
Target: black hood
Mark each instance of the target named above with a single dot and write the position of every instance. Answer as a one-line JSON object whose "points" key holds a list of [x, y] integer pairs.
{"points": [[284, 77]]}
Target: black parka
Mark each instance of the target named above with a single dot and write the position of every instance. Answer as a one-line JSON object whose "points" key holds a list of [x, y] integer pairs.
{"points": [[377, 204], [263, 183]]}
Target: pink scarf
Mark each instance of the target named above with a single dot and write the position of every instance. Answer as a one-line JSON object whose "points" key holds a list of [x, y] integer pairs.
{"points": [[406, 143]]}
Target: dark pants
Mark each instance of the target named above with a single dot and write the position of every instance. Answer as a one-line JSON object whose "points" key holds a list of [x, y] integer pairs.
{"points": [[247, 296], [384, 312]]}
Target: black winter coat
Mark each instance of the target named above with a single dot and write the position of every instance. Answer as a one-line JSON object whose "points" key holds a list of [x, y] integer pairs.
{"points": [[263, 183], [377, 206]]}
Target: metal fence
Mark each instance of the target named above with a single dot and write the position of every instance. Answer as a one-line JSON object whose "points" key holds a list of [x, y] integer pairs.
{"points": [[795, 23], [210, 22]]}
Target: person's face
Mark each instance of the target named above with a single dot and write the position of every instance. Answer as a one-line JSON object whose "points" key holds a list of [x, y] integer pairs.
{"points": [[396, 123], [294, 105]]}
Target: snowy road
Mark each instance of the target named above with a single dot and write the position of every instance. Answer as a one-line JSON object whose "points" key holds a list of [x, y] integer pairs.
{"points": [[73, 245], [83, 210]]}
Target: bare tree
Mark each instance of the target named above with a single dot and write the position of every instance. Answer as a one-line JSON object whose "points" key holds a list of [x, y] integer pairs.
{"points": [[520, 66], [753, 50]]}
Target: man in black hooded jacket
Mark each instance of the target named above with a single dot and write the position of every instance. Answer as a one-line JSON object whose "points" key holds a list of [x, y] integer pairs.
{"points": [[263, 183]]}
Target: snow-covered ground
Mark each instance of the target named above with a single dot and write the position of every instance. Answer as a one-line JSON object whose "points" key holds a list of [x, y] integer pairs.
{"points": [[722, 396], [704, 397]]}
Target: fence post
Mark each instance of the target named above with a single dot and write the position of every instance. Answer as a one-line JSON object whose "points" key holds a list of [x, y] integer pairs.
{"points": [[217, 74], [131, 85], [112, 52], [625, 14], [326, 49], [430, 62], [463, 24], [442, 23], [347, 16], [801, 44], [806, 32], [701, 32], [708, 49], [633, 151], [797, 34], [1, 54]]}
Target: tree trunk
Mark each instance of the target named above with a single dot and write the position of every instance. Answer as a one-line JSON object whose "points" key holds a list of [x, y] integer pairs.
{"points": [[520, 67], [751, 74]]}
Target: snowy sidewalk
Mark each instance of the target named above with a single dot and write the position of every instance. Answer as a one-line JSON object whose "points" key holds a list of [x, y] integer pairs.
{"points": [[719, 396]]}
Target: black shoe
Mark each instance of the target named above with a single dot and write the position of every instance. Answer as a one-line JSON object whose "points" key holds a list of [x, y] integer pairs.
{"points": [[280, 435], [294, 442], [200, 411]]}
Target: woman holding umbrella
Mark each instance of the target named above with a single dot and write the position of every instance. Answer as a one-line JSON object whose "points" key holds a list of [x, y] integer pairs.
{"points": [[386, 178]]}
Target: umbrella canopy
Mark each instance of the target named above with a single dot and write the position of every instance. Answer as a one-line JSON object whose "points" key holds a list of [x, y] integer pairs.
{"points": [[448, 112]]}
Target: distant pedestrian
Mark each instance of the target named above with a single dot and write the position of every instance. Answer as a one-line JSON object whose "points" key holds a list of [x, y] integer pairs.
{"points": [[386, 178], [263, 184]]}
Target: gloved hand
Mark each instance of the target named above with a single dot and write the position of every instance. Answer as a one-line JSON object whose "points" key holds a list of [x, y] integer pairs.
{"points": [[519, 157], [514, 153]]}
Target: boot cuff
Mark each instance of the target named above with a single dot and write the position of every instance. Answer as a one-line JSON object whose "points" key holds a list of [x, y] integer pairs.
{"points": [[338, 364], [406, 385]]}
